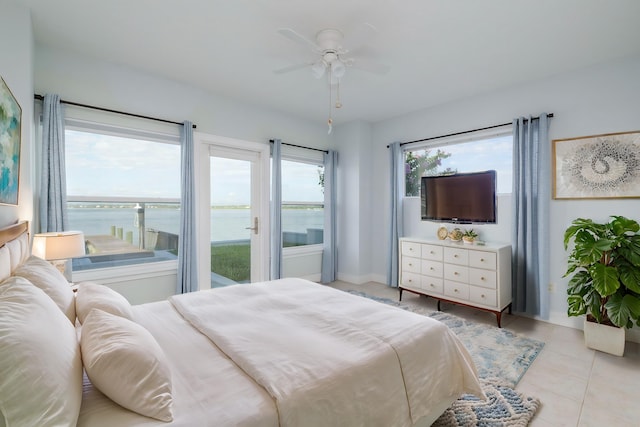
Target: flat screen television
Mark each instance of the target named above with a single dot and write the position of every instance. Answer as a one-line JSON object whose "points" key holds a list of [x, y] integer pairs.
{"points": [[459, 198]]}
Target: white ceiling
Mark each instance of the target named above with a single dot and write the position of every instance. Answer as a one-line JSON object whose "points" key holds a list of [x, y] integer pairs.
{"points": [[438, 50]]}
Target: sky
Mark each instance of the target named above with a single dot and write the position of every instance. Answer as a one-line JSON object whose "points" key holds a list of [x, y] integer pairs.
{"points": [[475, 156], [102, 165]]}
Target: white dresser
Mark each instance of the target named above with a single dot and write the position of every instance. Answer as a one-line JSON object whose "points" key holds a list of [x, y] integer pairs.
{"points": [[467, 274]]}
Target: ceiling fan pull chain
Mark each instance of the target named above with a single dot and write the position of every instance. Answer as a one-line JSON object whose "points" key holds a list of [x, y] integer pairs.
{"points": [[330, 121]]}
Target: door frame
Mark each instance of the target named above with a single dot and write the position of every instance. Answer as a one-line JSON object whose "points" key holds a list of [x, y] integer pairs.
{"points": [[260, 182]]}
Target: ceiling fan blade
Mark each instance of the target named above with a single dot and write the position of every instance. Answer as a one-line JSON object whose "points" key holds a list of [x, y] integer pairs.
{"points": [[298, 38], [292, 68], [360, 36], [370, 66]]}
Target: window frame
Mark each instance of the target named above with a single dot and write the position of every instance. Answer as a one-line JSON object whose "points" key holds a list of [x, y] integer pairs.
{"points": [[311, 157], [102, 124], [446, 141]]}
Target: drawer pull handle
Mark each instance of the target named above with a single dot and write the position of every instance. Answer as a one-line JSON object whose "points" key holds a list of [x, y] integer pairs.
{"points": [[455, 256], [481, 259], [482, 296], [455, 273], [431, 268], [410, 280], [455, 290], [432, 285], [410, 249], [431, 252], [410, 265], [482, 278]]}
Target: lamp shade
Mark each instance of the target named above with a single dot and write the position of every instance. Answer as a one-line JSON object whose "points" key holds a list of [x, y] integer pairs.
{"points": [[58, 245]]}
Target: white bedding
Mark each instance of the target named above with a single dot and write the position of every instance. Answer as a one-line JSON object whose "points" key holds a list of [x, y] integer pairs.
{"points": [[302, 355]]}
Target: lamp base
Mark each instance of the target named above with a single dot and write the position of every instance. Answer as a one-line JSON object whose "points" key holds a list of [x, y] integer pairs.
{"points": [[64, 267]]}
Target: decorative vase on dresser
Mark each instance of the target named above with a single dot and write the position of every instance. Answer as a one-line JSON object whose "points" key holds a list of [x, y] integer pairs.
{"points": [[475, 276]]}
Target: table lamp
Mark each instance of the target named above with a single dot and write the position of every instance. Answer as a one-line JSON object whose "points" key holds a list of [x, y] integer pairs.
{"points": [[58, 247]]}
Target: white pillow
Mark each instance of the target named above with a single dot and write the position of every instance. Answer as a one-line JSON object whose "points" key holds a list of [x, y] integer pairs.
{"points": [[92, 295], [40, 364], [5, 263], [45, 276], [124, 361]]}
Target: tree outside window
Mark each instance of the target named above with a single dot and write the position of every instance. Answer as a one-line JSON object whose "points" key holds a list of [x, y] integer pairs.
{"points": [[422, 163]]}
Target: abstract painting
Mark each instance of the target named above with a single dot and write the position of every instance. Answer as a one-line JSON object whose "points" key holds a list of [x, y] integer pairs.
{"points": [[10, 118], [597, 167]]}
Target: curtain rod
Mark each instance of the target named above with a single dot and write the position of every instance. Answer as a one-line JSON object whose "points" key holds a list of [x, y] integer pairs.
{"points": [[62, 101], [463, 132], [300, 146]]}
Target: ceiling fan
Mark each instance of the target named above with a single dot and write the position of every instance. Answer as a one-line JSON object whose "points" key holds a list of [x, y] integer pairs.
{"points": [[331, 53], [332, 58]]}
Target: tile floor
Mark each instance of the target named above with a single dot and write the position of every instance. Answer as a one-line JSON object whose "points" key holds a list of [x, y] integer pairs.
{"points": [[577, 386]]}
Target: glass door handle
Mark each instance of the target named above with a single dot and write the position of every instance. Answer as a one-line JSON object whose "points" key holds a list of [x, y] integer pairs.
{"points": [[255, 226]]}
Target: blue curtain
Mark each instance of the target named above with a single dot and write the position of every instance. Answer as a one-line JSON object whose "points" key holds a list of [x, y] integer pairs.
{"points": [[329, 245], [396, 182], [530, 222], [276, 209], [187, 260], [53, 185]]}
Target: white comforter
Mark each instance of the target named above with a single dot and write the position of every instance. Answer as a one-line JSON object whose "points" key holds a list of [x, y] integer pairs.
{"points": [[328, 358]]}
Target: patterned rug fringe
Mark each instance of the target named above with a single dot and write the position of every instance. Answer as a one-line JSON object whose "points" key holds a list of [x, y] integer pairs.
{"points": [[504, 407]]}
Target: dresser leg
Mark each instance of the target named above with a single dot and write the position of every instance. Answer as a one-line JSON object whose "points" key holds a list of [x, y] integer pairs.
{"points": [[499, 318], [439, 305], [400, 298]]}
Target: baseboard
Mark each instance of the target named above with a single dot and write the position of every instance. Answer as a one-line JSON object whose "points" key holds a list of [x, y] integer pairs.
{"points": [[359, 280]]}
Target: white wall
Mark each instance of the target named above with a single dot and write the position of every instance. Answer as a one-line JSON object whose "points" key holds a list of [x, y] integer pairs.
{"points": [[16, 68], [595, 100], [353, 201]]}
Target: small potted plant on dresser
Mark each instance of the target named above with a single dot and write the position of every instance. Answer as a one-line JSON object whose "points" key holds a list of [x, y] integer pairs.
{"points": [[469, 236], [604, 263]]}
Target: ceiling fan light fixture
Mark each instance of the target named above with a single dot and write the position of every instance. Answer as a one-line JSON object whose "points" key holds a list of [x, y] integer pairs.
{"points": [[338, 68], [318, 69]]}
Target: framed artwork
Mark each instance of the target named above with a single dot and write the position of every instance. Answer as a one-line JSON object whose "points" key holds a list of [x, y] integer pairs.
{"points": [[597, 167], [10, 119]]}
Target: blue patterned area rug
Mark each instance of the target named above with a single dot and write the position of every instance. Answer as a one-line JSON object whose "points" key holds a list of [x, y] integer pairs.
{"points": [[501, 358], [504, 407], [497, 352]]}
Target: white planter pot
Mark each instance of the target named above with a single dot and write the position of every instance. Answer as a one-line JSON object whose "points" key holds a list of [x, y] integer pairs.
{"points": [[608, 339]]}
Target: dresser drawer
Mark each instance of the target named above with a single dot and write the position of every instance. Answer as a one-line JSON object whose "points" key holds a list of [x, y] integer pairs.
{"points": [[482, 259], [456, 272], [411, 265], [411, 280], [456, 290], [482, 296], [456, 256], [432, 252], [431, 268], [410, 249], [484, 278], [432, 285]]}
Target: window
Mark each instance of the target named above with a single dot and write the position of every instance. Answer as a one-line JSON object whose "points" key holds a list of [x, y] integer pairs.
{"points": [[302, 203], [123, 192], [449, 155]]}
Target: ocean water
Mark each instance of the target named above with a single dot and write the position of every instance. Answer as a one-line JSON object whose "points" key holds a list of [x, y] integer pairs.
{"points": [[226, 224]]}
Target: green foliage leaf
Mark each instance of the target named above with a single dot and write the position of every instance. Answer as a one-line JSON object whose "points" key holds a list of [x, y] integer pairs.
{"points": [[605, 279], [623, 309], [577, 307], [629, 275]]}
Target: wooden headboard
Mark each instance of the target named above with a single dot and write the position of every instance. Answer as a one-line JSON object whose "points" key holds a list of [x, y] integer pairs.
{"points": [[13, 231]]}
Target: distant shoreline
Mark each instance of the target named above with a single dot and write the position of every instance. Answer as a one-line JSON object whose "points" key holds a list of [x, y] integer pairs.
{"points": [[173, 206]]}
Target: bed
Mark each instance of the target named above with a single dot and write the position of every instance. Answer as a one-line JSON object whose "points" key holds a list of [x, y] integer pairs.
{"points": [[280, 353]]}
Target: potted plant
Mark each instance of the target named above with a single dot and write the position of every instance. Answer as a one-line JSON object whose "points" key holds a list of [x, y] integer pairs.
{"points": [[469, 236], [604, 263]]}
